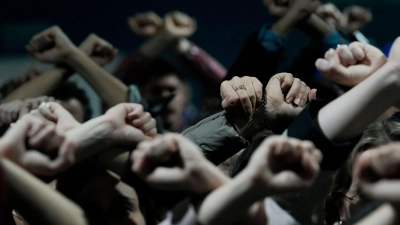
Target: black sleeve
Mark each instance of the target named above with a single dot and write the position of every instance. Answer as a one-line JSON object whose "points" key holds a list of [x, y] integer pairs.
{"points": [[305, 128], [255, 60]]}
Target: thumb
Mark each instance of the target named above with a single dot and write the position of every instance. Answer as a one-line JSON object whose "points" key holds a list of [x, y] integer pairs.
{"points": [[228, 103]]}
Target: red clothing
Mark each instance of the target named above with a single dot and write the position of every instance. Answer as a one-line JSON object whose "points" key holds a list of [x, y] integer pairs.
{"points": [[204, 67]]}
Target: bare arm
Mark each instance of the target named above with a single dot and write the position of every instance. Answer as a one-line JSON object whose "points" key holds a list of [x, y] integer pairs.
{"points": [[38, 202], [45, 84]]}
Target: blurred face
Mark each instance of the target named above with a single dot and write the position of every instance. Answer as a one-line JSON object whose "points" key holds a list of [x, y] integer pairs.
{"points": [[352, 203], [163, 87], [75, 108], [112, 201]]}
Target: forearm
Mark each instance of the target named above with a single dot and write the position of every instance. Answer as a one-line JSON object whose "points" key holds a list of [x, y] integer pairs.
{"points": [[285, 25], [317, 27], [230, 202], [42, 85], [38, 202], [346, 117], [207, 69], [116, 159], [88, 139], [386, 214], [155, 46], [111, 90]]}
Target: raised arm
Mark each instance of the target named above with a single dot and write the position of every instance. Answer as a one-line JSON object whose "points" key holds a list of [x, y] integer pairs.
{"points": [[377, 93], [53, 46], [37, 202], [279, 165], [96, 48]]}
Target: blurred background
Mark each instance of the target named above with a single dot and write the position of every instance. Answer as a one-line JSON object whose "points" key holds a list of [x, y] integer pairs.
{"points": [[223, 25]]}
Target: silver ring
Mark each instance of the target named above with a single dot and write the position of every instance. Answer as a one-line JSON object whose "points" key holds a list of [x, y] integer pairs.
{"points": [[45, 104]]}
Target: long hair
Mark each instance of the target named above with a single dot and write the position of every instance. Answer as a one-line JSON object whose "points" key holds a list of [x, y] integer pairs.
{"points": [[377, 134]]}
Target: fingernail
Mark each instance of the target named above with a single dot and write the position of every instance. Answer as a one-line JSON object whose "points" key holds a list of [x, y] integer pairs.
{"points": [[290, 100], [330, 54], [302, 103], [322, 64], [297, 101]]}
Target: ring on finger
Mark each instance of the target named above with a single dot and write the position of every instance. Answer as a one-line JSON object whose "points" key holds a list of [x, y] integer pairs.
{"points": [[45, 104], [240, 87]]}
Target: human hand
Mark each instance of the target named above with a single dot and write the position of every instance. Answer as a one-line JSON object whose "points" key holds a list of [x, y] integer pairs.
{"points": [[378, 173], [330, 14], [286, 97], [246, 90], [355, 18], [303, 8], [145, 24], [12, 111], [32, 143], [98, 49], [50, 45], [349, 65], [173, 162], [54, 112], [280, 165], [277, 8], [130, 122], [179, 25]]}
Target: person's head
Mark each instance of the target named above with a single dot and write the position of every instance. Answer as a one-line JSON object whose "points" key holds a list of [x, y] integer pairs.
{"points": [[163, 80], [343, 197], [106, 199], [74, 99]]}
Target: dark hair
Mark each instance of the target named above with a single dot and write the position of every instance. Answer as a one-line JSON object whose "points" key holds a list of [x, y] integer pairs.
{"points": [[244, 158], [70, 90], [377, 134], [159, 68], [72, 183]]}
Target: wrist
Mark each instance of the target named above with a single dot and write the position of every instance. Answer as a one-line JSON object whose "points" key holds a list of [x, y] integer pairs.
{"points": [[181, 46], [209, 176], [72, 56]]}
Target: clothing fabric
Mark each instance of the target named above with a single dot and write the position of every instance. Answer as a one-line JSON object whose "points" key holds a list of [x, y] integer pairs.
{"points": [[256, 60], [216, 137], [184, 214], [206, 69]]}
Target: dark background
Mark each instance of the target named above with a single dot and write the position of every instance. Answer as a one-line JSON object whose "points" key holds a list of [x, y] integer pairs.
{"points": [[223, 25]]}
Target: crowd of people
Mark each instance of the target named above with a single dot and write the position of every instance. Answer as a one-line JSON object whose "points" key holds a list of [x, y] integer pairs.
{"points": [[264, 147]]}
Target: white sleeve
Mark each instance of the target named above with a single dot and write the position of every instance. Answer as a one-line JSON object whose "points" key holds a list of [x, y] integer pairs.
{"points": [[189, 215], [276, 215]]}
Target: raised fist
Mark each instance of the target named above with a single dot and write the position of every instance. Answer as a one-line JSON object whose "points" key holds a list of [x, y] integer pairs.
{"points": [[50, 45], [99, 50], [145, 24]]}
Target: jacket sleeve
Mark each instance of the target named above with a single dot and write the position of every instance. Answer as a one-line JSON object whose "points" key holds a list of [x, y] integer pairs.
{"points": [[216, 137]]}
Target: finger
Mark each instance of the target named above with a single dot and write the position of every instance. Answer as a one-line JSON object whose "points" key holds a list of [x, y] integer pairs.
{"points": [[39, 140], [243, 96], [346, 56], [152, 132], [40, 164], [258, 87], [294, 91], [134, 110], [228, 95], [312, 95], [47, 113], [303, 95], [148, 126], [357, 50], [248, 84], [146, 117]]}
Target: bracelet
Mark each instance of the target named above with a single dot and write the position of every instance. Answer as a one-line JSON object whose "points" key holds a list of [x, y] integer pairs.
{"points": [[263, 111]]}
